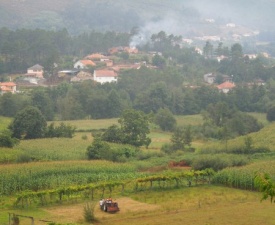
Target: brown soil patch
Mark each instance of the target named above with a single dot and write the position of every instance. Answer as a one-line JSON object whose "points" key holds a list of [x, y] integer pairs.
{"points": [[74, 213]]}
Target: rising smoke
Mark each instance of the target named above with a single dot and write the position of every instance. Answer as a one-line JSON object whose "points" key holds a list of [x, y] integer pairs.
{"points": [[169, 25]]}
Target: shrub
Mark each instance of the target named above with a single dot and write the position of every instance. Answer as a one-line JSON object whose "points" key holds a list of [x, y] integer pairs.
{"points": [[6, 139], [98, 149], [218, 162], [167, 148], [62, 130], [113, 134], [165, 119], [84, 137], [123, 153], [89, 212]]}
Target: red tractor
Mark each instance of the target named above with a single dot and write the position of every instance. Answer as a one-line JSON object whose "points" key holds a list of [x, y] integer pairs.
{"points": [[108, 205]]}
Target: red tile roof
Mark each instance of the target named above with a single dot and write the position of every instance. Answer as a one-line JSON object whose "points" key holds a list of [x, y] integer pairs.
{"points": [[105, 73], [87, 62], [226, 85], [95, 56], [7, 84], [7, 87], [130, 66]]}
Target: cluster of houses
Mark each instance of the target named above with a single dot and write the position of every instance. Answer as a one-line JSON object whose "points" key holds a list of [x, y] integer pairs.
{"points": [[227, 84], [108, 71], [33, 74], [87, 69]]}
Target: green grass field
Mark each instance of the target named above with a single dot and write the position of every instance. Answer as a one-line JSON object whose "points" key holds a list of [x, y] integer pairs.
{"points": [[206, 205], [4, 122], [88, 125], [202, 205]]}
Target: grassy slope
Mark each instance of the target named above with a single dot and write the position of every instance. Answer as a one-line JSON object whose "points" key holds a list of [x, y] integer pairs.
{"points": [[264, 138]]}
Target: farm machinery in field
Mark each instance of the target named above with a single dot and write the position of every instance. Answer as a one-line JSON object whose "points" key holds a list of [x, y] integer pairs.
{"points": [[108, 205]]}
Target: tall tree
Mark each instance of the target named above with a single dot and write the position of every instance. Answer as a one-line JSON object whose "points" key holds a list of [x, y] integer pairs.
{"points": [[135, 127], [178, 139], [114, 104], [28, 123], [42, 101], [165, 119]]}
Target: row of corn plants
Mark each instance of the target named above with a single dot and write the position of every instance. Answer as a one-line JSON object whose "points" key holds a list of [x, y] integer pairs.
{"points": [[43, 197], [50, 175], [244, 177]]}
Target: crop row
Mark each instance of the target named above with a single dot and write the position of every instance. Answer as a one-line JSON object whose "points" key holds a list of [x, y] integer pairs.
{"points": [[164, 180], [244, 177], [48, 175]]}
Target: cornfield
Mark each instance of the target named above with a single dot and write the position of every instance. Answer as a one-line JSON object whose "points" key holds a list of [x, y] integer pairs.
{"points": [[48, 175], [243, 177]]}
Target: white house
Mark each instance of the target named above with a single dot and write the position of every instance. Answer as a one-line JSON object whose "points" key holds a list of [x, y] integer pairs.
{"points": [[35, 71], [105, 76]]}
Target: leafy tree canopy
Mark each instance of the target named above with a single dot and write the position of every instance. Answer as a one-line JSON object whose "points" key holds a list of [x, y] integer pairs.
{"points": [[28, 123], [135, 127], [165, 119], [6, 140]]}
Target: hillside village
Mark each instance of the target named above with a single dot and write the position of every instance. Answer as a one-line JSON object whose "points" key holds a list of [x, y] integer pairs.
{"points": [[105, 68]]}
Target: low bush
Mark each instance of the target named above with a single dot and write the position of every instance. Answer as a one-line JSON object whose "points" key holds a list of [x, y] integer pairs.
{"points": [[218, 162], [89, 215], [62, 130], [110, 151], [6, 139]]}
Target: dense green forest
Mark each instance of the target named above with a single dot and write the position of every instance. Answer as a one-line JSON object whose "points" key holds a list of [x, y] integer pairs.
{"points": [[23, 48]]}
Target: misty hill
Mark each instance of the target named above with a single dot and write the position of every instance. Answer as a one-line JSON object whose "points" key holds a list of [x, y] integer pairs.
{"points": [[174, 16]]}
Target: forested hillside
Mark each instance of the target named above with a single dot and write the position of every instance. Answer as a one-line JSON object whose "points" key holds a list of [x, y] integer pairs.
{"points": [[122, 15]]}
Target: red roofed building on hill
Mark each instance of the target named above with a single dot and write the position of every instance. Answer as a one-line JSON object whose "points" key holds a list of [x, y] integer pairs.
{"points": [[105, 76], [84, 64], [225, 87], [6, 87], [95, 56]]}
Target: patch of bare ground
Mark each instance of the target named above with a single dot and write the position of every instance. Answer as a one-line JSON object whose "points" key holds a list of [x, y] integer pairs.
{"points": [[74, 213]]}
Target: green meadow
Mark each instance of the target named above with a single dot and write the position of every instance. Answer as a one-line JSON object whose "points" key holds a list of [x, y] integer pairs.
{"points": [[61, 162]]}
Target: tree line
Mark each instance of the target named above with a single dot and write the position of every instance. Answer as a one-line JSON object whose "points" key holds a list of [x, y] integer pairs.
{"points": [[23, 48], [145, 90]]}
